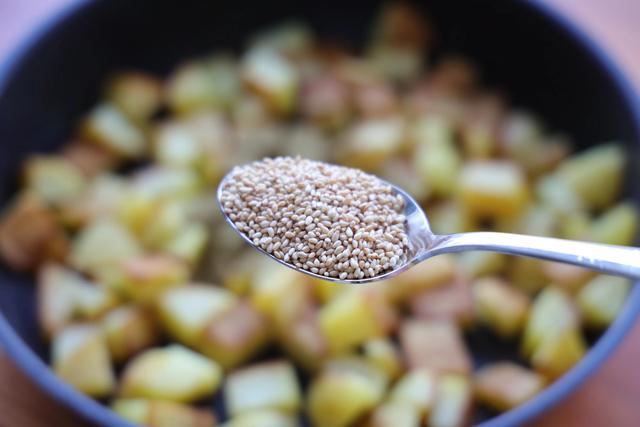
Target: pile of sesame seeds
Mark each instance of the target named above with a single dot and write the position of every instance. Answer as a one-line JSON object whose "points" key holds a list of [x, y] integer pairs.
{"points": [[330, 220]]}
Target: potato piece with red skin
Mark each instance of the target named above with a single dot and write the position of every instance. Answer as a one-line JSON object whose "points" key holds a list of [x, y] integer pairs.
{"points": [[567, 277], [435, 345], [88, 158], [504, 385], [163, 413], [128, 330], [450, 301]]}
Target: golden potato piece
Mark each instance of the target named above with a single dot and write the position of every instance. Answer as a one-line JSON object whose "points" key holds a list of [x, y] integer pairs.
{"points": [[370, 142], [480, 263], [268, 385], [450, 301], [504, 385], [110, 129], [146, 277], [426, 275], [438, 162], [235, 336], [103, 197], [53, 178], [89, 158], [80, 357], [492, 189], [435, 345], [501, 306], [557, 354], [326, 101], [453, 402], [263, 418], [189, 244], [271, 283], [568, 277], [172, 373], [137, 94], [128, 330], [162, 413], [383, 354], [186, 311], [402, 172], [617, 226], [394, 414], [416, 388], [601, 299], [448, 217], [30, 234], [526, 274]]}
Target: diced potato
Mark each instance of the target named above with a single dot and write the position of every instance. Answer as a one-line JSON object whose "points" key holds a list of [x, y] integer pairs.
{"points": [[324, 290], [601, 299], [272, 283], [574, 226], [308, 142], [146, 277], [160, 182], [203, 84], [80, 357], [501, 306], [64, 296], [556, 355], [402, 173], [480, 263], [272, 77], [53, 178], [399, 64], [102, 197], [428, 274], [375, 100], [438, 164], [339, 397], [293, 39], [451, 301], [185, 312], [383, 354], [165, 222], [354, 317], [448, 217], [136, 94], [235, 336], [394, 414], [190, 243], [556, 195], [617, 226], [493, 189], [110, 129], [566, 276], [595, 175], [128, 330], [89, 158], [162, 413], [453, 402], [416, 388], [551, 314], [480, 132], [370, 142], [263, 418], [103, 243], [326, 101], [269, 385], [435, 345], [504, 385], [30, 234], [526, 274], [239, 274], [172, 373]]}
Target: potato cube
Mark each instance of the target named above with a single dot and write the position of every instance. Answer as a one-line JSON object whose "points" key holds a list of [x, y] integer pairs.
{"points": [[557, 354], [416, 388], [399, 64], [394, 414], [30, 234], [172, 373], [450, 301], [239, 272], [354, 317], [369, 143], [136, 94], [186, 311], [383, 354], [89, 158], [556, 195], [103, 197], [552, 313], [526, 274], [595, 175], [235, 336], [80, 357], [268, 385], [448, 217], [128, 330], [324, 290], [568, 277], [439, 166], [161, 413], [53, 178], [110, 129], [428, 274], [272, 77], [103, 243], [326, 101], [271, 283], [504, 385], [375, 100], [617, 226], [189, 244], [601, 299], [452, 405], [402, 172], [493, 189], [479, 263], [146, 277], [263, 418], [435, 345], [501, 306]]}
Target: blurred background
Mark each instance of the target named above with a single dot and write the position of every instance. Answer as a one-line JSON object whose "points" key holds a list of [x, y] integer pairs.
{"points": [[608, 397]]}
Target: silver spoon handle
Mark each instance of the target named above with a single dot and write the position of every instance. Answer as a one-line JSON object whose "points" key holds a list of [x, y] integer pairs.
{"points": [[616, 260]]}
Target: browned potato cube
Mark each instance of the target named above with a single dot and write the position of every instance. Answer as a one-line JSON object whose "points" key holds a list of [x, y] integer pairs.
{"points": [[375, 100], [526, 274], [235, 336], [129, 330], [566, 276], [147, 277], [601, 299], [30, 234], [383, 354], [172, 373], [453, 402], [268, 385], [137, 94], [394, 414], [557, 354], [493, 189], [88, 158], [617, 226], [429, 274], [326, 101], [417, 388], [110, 129], [81, 358], [162, 413], [53, 178], [450, 301], [402, 172], [501, 306], [435, 345], [505, 385]]}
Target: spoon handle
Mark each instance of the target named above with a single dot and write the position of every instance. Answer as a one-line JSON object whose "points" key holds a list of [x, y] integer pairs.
{"points": [[616, 260]]}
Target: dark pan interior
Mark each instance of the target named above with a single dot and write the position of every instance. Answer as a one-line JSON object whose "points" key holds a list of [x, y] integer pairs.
{"points": [[517, 49]]}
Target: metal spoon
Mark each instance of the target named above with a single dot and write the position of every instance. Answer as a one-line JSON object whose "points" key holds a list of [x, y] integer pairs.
{"points": [[424, 244]]}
